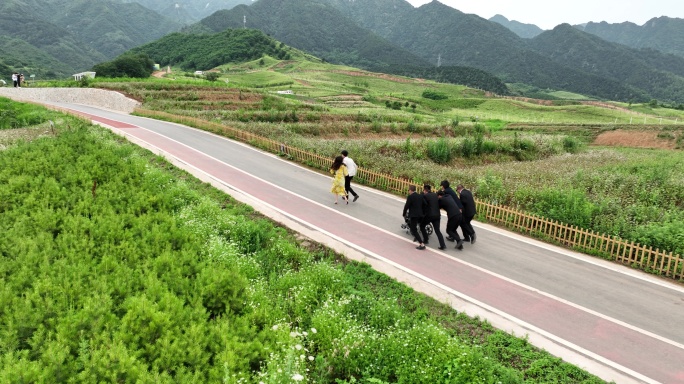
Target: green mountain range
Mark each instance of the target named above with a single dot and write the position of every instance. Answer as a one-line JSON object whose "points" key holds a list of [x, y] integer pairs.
{"points": [[526, 31], [56, 38], [664, 34], [187, 11]]}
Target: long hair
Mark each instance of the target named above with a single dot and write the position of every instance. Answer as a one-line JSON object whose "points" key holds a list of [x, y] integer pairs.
{"points": [[337, 163]]}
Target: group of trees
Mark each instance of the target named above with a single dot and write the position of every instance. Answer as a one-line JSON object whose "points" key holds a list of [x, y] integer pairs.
{"points": [[126, 65]]}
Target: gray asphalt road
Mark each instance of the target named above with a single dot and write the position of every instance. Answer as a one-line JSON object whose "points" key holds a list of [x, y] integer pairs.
{"points": [[639, 301]]}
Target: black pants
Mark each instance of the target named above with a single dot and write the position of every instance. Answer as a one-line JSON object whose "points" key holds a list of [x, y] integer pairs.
{"points": [[413, 227], [467, 228], [435, 226], [452, 226], [16, 82], [347, 185]]}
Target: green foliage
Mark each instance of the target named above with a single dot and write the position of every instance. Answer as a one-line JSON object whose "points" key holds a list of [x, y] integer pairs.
{"points": [[128, 65], [151, 276], [433, 95], [439, 151], [212, 76], [18, 115]]}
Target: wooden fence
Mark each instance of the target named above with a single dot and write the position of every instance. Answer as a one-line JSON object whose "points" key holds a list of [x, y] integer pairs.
{"points": [[609, 247]]}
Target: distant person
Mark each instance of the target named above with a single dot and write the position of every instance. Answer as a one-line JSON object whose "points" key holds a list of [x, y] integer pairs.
{"points": [[15, 79], [469, 212], [21, 79], [339, 171], [351, 169], [415, 207], [449, 191], [448, 204], [432, 216]]}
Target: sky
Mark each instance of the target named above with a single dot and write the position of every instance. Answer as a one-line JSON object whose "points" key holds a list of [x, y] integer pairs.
{"points": [[547, 14]]}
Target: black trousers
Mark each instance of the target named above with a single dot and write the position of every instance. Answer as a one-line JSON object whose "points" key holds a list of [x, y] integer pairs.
{"points": [[347, 185], [452, 226], [413, 227], [435, 226], [467, 228]]}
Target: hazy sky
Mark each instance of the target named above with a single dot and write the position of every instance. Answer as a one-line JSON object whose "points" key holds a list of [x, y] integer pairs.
{"points": [[546, 14]]}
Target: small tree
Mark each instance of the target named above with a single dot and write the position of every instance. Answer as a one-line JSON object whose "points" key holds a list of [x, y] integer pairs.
{"points": [[212, 76]]}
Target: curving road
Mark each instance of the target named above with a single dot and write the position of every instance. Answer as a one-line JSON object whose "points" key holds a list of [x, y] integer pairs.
{"points": [[618, 323]]}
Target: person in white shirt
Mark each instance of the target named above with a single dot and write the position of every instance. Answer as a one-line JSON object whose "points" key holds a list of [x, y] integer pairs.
{"points": [[351, 169], [15, 78]]}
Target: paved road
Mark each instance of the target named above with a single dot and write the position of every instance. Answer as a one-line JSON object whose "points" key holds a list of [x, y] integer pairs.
{"points": [[618, 323]]}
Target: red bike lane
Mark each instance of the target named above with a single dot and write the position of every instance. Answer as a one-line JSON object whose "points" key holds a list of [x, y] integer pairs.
{"points": [[639, 354]]}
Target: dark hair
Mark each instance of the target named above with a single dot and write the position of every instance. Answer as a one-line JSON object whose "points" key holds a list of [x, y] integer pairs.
{"points": [[427, 187], [440, 193], [444, 183], [344, 152], [459, 187], [412, 188], [337, 163]]}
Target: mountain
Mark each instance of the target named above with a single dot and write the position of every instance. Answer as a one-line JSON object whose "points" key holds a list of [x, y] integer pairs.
{"points": [[658, 74], [526, 31], [662, 33], [436, 31], [315, 27], [187, 11], [61, 37]]}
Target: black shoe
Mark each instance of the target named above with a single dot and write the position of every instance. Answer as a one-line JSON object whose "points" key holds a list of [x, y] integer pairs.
{"points": [[421, 247], [426, 242], [459, 244], [449, 238], [472, 239], [355, 198], [442, 248]]}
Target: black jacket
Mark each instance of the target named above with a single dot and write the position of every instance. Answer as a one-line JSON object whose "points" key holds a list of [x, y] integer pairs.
{"points": [[449, 205], [468, 202], [432, 201], [454, 196], [415, 205]]}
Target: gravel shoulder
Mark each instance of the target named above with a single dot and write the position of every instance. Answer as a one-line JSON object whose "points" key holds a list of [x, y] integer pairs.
{"points": [[101, 98]]}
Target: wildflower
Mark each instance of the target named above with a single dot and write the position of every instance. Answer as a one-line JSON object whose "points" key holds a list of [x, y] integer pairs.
{"points": [[311, 358], [298, 347], [275, 327], [313, 330], [297, 377]]}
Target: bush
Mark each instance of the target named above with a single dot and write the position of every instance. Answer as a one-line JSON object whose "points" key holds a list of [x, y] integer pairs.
{"points": [[439, 151], [433, 95]]}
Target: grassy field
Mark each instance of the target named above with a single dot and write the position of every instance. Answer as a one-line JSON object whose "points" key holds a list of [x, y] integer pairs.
{"points": [[118, 267]]}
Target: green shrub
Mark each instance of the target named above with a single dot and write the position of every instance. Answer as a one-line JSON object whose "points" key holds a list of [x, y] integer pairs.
{"points": [[439, 151], [434, 95]]}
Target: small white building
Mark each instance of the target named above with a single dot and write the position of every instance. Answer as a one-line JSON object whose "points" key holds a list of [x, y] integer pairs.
{"points": [[288, 92], [81, 75]]}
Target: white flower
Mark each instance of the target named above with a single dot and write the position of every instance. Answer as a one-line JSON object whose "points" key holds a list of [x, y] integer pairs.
{"points": [[313, 330], [297, 377], [305, 333], [311, 358], [298, 347], [275, 327]]}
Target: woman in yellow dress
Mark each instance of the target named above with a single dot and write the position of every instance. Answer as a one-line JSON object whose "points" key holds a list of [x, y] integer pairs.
{"points": [[339, 171]]}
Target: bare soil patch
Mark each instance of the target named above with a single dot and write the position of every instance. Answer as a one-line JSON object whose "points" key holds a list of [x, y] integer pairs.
{"points": [[634, 139]]}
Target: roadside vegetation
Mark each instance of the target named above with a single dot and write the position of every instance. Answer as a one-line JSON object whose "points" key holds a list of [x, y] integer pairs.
{"points": [[116, 266]]}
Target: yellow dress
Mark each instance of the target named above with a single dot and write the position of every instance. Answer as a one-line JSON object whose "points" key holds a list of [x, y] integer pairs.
{"points": [[338, 181]]}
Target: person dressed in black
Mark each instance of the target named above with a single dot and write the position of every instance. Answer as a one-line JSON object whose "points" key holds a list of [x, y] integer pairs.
{"points": [[415, 206], [469, 211], [432, 216], [449, 191], [448, 204]]}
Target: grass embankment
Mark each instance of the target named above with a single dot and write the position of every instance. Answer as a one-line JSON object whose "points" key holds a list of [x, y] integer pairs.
{"points": [[116, 266]]}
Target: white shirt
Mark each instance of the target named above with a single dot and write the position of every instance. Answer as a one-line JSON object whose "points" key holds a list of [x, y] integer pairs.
{"points": [[350, 164], [14, 77]]}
